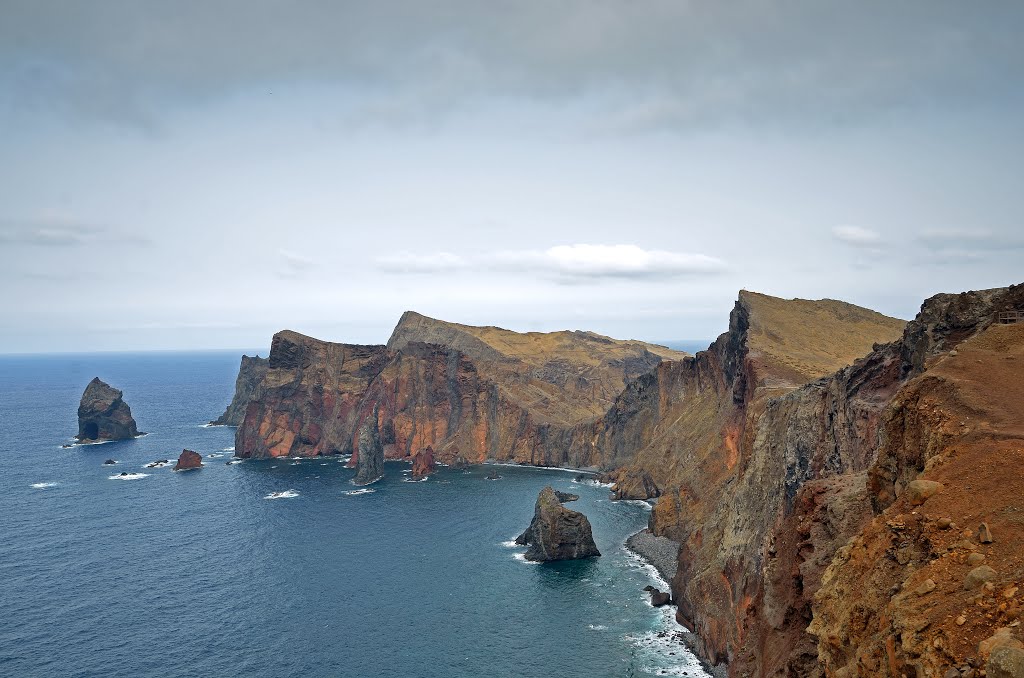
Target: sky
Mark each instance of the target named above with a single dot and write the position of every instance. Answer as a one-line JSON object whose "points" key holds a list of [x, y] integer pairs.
{"points": [[203, 174]]}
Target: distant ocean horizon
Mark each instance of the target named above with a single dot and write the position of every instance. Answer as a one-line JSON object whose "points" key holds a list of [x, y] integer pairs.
{"points": [[283, 567]]}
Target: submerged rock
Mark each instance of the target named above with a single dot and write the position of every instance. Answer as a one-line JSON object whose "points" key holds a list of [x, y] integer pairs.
{"points": [[188, 460], [369, 457], [104, 415], [423, 463], [109, 462], [493, 475], [557, 533]]}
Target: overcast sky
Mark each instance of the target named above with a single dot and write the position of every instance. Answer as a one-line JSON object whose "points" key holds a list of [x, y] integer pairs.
{"points": [[203, 174]]}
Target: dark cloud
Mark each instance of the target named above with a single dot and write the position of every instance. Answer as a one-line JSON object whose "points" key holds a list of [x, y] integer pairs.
{"points": [[653, 64]]}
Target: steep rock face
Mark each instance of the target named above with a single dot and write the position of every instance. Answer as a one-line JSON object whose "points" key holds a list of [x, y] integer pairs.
{"points": [[959, 423], [248, 386], [188, 460], [104, 415], [309, 401], [368, 456], [487, 394], [423, 463], [557, 533], [728, 440], [762, 510]]}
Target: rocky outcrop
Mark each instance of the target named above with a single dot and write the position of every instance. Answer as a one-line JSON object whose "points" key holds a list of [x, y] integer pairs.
{"points": [[483, 393], [368, 456], [104, 415], [248, 386], [423, 463], [311, 398], [188, 460], [557, 533]]}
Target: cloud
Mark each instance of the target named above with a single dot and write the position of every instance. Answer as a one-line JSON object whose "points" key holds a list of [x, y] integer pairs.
{"points": [[291, 265], [661, 63], [59, 230], [408, 262], [565, 263], [857, 236]]}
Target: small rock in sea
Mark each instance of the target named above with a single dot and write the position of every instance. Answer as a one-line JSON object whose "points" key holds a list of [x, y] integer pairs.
{"points": [[493, 475], [124, 473], [978, 576], [984, 534], [109, 462], [649, 588], [188, 460], [660, 598]]}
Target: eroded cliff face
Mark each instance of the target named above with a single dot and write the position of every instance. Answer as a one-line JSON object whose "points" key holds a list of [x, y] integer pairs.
{"points": [[309, 401], [763, 491], [483, 393], [248, 386], [899, 598]]}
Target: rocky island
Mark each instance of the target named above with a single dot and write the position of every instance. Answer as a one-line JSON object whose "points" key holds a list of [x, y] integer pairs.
{"points": [[104, 415], [557, 533], [188, 460]]}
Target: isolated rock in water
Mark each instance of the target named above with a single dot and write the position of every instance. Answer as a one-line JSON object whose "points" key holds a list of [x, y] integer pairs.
{"points": [[188, 460], [103, 415], [369, 456], [423, 463], [248, 386], [566, 496], [493, 475], [660, 598], [109, 462], [557, 533]]}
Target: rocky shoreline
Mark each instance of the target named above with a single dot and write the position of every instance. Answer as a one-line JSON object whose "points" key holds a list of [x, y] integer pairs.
{"points": [[662, 553]]}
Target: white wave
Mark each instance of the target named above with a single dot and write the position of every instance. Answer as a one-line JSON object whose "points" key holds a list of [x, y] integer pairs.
{"points": [[286, 494], [521, 557], [511, 544], [128, 476], [592, 483], [638, 562], [234, 461], [159, 464], [356, 493], [92, 442], [414, 480], [214, 455], [323, 463], [43, 486], [294, 463], [637, 502], [228, 449], [662, 652], [597, 627]]}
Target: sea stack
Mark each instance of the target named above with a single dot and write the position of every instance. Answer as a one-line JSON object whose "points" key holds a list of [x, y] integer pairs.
{"points": [[369, 456], [423, 463], [103, 415], [557, 533], [188, 460]]}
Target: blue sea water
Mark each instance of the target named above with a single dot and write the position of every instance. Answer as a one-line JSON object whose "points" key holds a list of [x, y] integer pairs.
{"points": [[201, 574]]}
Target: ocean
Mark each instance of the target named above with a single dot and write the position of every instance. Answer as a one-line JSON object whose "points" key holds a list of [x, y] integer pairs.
{"points": [[283, 567]]}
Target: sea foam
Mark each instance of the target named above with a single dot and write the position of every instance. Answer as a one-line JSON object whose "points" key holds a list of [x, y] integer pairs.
{"points": [[286, 494], [128, 476], [43, 486]]}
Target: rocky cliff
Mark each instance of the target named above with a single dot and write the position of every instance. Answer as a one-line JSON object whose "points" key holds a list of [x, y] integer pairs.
{"points": [[104, 415], [557, 533], [764, 482], [487, 393], [248, 387]]}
